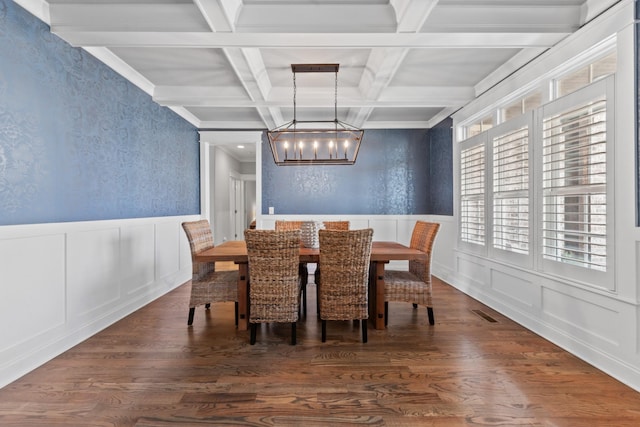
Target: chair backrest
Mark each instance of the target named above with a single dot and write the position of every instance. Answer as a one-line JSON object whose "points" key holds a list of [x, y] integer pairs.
{"points": [[199, 235], [288, 225], [336, 225], [344, 277], [200, 238], [422, 238], [274, 283]]}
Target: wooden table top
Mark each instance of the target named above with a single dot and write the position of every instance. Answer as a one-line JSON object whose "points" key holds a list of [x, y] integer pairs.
{"points": [[236, 251]]}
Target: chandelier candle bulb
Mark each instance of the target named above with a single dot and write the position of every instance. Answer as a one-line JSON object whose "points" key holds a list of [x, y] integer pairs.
{"points": [[315, 149], [286, 149]]}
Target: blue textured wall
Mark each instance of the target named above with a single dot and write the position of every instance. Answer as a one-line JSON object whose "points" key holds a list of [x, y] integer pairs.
{"points": [[79, 142], [390, 177], [441, 168]]}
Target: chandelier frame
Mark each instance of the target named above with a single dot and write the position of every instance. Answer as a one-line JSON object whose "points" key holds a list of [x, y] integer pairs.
{"points": [[315, 142]]}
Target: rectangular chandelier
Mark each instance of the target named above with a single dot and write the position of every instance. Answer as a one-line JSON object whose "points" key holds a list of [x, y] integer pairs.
{"points": [[328, 142]]}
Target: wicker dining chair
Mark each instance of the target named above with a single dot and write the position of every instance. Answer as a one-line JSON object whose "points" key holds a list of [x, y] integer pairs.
{"points": [[283, 225], [207, 284], [274, 282], [336, 225], [328, 225], [413, 286], [344, 260]]}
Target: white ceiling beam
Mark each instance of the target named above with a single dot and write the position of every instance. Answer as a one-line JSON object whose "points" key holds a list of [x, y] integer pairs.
{"points": [[382, 65], [219, 14], [396, 125], [310, 40], [231, 125], [215, 96], [249, 67], [412, 14]]}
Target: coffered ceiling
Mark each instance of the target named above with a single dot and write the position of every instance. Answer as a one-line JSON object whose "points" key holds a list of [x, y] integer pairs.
{"points": [[226, 64]]}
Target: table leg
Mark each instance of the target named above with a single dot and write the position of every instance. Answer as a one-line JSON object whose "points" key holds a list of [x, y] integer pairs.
{"points": [[243, 296], [378, 313]]}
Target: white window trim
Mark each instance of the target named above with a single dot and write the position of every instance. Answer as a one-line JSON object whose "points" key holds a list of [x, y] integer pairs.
{"points": [[523, 260], [479, 249], [586, 276]]}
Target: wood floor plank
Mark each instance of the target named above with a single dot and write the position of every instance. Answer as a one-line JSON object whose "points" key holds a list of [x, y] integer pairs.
{"points": [[474, 367]]}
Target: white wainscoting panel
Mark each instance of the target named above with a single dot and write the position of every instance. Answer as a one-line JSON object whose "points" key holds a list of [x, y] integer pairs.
{"points": [[62, 283], [514, 289], [582, 316], [137, 257], [167, 248], [32, 290], [473, 271], [442, 258], [93, 265]]}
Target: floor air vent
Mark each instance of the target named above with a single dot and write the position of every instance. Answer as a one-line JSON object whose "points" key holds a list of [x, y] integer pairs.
{"points": [[485, 316]]}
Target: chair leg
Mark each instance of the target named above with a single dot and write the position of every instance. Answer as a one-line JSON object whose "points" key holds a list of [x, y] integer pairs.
{"points": [[430, 314], [252, 338], [236, 310], [192, 310], [304, 274], [293, 333], [316, 280], [386, 313], [364, 330], [304, 299], [324, 331]]}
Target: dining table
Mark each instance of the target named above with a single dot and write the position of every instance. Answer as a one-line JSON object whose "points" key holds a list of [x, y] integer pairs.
{"points": [[382, 252]]}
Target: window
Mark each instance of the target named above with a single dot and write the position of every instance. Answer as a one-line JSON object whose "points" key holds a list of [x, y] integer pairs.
{"points": [[521, 106], [472, 194], [549, 164], [479, 126], [586, 75], [511, 191], [574, 185]]}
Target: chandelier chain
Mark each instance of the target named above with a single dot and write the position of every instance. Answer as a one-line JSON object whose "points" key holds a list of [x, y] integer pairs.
{"points": [[294, 97], [336, 99]]}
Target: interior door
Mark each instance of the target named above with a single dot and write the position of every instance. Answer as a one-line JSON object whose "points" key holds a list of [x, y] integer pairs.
{"points": [[237, 209]]}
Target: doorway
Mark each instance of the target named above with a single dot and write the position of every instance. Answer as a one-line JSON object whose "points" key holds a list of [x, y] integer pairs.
{"points": [[230, 186]]}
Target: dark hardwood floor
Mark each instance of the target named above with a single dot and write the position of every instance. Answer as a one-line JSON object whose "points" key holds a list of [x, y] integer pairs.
{"points": [[150, 369]]}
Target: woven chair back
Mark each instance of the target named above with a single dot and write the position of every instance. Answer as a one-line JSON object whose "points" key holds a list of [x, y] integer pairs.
{"points": [[199, 235], [422, 238], [344, 262], [274, 284], [336, 225], [200, 238], [282, 225]]}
